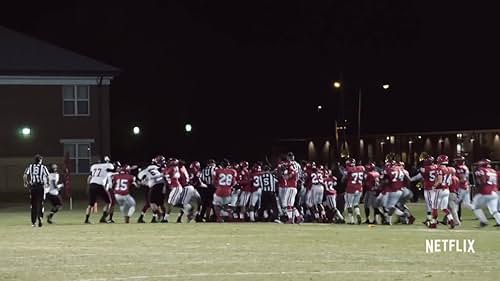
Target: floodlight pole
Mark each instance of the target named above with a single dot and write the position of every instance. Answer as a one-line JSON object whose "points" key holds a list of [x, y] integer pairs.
{"points": [[359, 122]]}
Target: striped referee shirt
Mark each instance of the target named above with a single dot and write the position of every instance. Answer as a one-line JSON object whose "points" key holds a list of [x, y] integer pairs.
{"points": [[267, 181], [37, 174], [207, 175]]}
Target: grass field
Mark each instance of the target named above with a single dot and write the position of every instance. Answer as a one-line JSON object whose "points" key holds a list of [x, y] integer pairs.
{"points": [[70, 250]]}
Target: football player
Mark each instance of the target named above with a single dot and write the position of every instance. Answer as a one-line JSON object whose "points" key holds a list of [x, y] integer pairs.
{"points": [[173, 176], [287, 182], [406, 196], [487, 195], [189, 194], [428, 173], [454, 202], [371, 184], [224, 181], [314, 184], [109, 188], [155, 180], [97, 181], [53, 195], [252, 193], [464, 185], [442, 192], [244, 192], [354, 175], [331, 197], [122, 183], [395, 178]]}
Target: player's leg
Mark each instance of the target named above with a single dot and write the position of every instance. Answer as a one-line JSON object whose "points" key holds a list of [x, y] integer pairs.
{"points": [[349, 204], [443, 205], [453, 206], [242, 204], [428, 205], [105, 196], [492, 203], [478, 202], [355, 206], [367, 203], [92, 200], [217, 203], [318, 193], [393, 199], [434, 195], [254, 199]]}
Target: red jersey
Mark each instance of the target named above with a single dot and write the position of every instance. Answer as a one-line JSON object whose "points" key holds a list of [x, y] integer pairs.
{"points": [[429, 173], [455, 184], [224, 180], [289, 176], [463, 176], [330, 183], [122, 183], [487, 180], [184, 178], [355, 179], [173, 176], [255, 180], [245, 181], [447, 175], [372, 181], [397, 178]]}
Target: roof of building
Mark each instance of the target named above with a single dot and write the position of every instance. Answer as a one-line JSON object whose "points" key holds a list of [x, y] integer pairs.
{"points": [[21, 54]]}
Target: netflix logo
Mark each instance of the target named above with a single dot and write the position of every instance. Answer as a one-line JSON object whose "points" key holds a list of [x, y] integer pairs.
{"points": [[449, 245]]}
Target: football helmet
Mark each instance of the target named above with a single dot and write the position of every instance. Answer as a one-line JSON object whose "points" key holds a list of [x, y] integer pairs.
{"points": [[428, 160], [195, 166], [484, 163], [442, 159], [459, 160], [350, 162], [244, 164], [370, 167]]}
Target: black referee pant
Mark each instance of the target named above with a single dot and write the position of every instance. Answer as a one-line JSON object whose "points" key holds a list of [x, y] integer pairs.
{"points": [[36, 199]]}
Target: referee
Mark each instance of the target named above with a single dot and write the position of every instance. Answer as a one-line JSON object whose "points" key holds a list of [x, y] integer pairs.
{"points": [[269, 204], [206, 191], [36, 177]]}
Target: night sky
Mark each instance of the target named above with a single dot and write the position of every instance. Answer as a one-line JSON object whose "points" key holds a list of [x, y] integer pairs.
{"points": [[247, 71]]}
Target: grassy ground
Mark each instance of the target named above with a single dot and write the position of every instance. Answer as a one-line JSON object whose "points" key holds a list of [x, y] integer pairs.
{"points": [[70, 250]]}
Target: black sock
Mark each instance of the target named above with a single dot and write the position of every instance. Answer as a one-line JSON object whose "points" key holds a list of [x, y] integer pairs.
{"points": [[111, 216], [367, 213], [87, 217]]}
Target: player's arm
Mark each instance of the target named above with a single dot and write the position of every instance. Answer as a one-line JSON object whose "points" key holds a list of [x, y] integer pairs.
{"points": [[417, 177], [439, 180]]}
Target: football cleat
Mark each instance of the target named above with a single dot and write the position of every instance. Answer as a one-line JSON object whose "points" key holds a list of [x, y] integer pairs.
{"points": [[358, 217], [411, 220], [451, 224], [140, 220], [497, 225], [483, 224]]}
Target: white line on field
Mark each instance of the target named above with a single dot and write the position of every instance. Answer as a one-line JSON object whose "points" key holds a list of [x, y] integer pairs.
{"points": [[212, 274]]}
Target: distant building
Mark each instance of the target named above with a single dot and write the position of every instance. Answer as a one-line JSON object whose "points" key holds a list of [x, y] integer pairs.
{"points": [[52, 102], [407, 147]]}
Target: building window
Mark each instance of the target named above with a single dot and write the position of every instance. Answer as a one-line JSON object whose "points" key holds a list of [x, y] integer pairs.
{"points": [[76, 100], [79, 156]]}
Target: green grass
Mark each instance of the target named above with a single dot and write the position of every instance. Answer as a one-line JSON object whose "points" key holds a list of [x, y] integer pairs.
{"points": [[70, 250]]}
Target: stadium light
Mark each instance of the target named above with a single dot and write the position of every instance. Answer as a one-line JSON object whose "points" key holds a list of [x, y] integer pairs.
{"points": [[337, 84], [136, 130], [188, 128], [386, 86], [320, 107], [26, 132]]}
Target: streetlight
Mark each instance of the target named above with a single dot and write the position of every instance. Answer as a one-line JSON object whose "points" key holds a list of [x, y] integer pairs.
{"points": [[336, 84], [136, 130], [26, 132], [188, 128]]}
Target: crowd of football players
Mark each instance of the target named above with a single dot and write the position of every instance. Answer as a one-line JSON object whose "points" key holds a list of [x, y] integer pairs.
{"points": [[293, 192]]}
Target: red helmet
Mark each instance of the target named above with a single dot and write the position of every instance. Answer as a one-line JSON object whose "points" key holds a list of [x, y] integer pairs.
{"points": [[389, 163], [459, 160], [244, 164], [429, 160], [195, 166], [172, 162], [484, 163], [442, 159], [158, 160], [257, 167], [370, 167], [350, 162], [235, 166]]}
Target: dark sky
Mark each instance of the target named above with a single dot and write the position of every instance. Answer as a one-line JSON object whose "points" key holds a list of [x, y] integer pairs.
{"points": [[249, 70]]}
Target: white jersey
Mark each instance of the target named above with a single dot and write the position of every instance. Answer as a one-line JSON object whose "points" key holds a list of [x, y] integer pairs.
{"points": [[54, 184], [99, 173], [151, 176], [109, 180]]}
